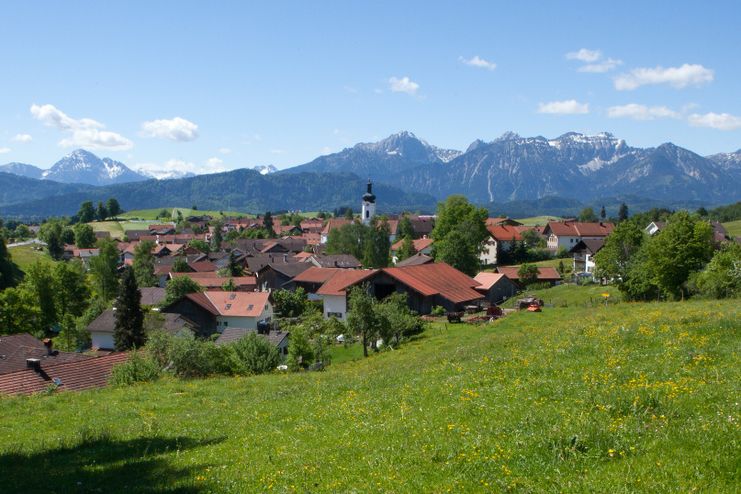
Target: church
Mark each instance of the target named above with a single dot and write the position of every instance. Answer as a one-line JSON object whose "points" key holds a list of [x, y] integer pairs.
{"points": [[368, 208]]}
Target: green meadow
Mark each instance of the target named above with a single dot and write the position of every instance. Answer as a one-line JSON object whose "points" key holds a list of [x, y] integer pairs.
{"points": [[619, 399], [26, 255], [151, 214], [733, 228]]}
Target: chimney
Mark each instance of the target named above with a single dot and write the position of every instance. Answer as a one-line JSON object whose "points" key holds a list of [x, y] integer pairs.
{"points": [[34, 363], [48, 344]]}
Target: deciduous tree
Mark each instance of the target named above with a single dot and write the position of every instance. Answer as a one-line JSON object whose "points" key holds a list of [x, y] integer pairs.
{"points": [[144, 264]]}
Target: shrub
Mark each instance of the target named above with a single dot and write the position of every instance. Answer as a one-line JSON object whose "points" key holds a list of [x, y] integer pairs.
{"points": [[438, 311], [300, 351], [254, 354], [190, 357], [138, 368]]}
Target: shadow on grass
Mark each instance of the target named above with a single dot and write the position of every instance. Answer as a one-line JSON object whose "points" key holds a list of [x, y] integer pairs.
{"points": [[104, 465]]}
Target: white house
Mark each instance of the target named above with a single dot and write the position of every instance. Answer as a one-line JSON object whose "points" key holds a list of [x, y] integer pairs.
{"points": [[240, 309], [566, 234]]}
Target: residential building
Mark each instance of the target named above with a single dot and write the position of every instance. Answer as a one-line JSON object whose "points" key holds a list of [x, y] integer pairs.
{"points": [[583, 255], [495, 287], [566, 234]]}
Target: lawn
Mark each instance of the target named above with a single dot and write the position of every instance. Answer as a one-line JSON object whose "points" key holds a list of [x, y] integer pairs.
{"points": [[628, 398], [568, 295], [538, 220], [26, 255], [151, 214], [734, 228]]}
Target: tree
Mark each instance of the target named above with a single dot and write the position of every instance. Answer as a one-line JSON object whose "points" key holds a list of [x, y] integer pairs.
{"points": [[405, 227], [300, 351], [407, 249], [683, 246], [40, 283], [267, 223], [613, 259], [602, 213], [22, 232], [255, 354], [459, 232], [114, 209], [376, 245], [101, 213], [528, 274], [234, 268], [20, 311], [721, 278], [86, 214], [348, 214], [622, 212], [144, 264], [229, 286], [361, 319], [217, 237], [128, 332], [291, 303], [71, 292], [200, 245], [348, 239], [180, 265], [84, 236], [533, 239], [10, 274], [104, 270], [52, 232], [587, 215], [179, 287]]}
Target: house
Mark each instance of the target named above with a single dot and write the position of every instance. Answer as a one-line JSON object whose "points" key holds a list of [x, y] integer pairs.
{"points": [[347, 261], [212, 281], [502, 237], [566, 234], [103, 327], [415, 260], [274, 276], [332, 223], [78, 375], [421, 246], [15, 349], [545, 274], [228, 309], [422, 226], [312, 280], [152, 296], [278, 339], [334, 291], [495, 287], [654, 227], [583, 254]]}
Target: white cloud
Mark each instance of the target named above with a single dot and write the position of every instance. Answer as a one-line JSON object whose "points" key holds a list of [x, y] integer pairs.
{"points": [[584, 55], [601, 67], [22, 138], [175, 129], [567, 107], [677, 77], [85, 132], [4, 150], [720, 121], [176, 168], [224, 151], [403, 85], [641, 112], [479, 62]]}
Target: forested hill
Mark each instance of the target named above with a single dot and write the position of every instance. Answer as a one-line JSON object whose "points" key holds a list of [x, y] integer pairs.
{"points": [[243, 190]]}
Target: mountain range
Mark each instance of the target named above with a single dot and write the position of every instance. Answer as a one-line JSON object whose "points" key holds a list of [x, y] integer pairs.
{"points": [[511, 172]]}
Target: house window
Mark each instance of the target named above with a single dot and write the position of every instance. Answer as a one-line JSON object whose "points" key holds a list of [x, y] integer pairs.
{"points": [[226, 323], [338, 315], [367, 213]]}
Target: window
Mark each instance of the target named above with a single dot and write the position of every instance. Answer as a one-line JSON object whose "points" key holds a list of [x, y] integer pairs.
{"points": [[338, 315], [226, 323], [367, 213]]}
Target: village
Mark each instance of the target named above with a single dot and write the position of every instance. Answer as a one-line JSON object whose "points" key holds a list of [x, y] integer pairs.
{"points": [[220, 280]]}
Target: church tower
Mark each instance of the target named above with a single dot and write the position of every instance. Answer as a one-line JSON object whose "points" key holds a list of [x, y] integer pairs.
{"points": [[368, 209]]}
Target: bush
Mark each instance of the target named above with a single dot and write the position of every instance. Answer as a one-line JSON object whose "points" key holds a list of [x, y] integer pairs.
{"points": [[254, 354], [438, 311], [190, 357], [138, 368]]}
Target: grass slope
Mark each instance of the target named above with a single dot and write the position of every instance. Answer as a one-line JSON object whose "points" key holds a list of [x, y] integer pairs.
{"points": [[633, 397], [733, 228], [26, 255], [569, 295], [151, 214], [538, 220]]}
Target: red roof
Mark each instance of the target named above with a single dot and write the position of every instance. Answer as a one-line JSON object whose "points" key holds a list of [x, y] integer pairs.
{"points": [[487, 280], [420, 244], [544, 273], [344, 279], [504, 233], [70, 376], [316, 275], [578, 229], [203, 266], [16, 348], [437, 279], [335, 223], [238, 304]]}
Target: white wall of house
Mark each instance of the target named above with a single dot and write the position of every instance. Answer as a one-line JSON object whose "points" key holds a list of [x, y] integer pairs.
{"points": [[555, 242], [223, 322], [489, 252], [335, 305], [103, 341]]}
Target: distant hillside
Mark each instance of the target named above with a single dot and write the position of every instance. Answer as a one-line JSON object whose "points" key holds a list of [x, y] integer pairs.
{"points": [[244, 190]]}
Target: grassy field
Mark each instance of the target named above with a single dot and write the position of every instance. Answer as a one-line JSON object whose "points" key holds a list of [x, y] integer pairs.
{"points": [[568, 295], [538, 220], [151, 214], [628, 398], [734, 228], [26, 255]]}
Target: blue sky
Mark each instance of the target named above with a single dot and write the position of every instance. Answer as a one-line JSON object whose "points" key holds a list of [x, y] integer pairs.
{"points": [[206, 86]]}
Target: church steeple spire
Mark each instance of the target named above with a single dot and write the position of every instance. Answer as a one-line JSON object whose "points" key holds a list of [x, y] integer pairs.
{"points": [[368, 208]]}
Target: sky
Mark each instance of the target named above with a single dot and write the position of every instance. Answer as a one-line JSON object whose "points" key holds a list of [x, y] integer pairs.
{"points": [[212, 86]]}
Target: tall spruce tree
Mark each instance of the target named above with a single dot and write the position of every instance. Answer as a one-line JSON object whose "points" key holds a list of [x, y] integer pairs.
{"points": [[623, 212], [128, 332]]}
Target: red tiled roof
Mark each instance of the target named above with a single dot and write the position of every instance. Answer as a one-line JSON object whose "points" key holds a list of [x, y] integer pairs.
{"points": [[504, 233], [202, 300], [544, 273], [419, 244], [203, 266], [335, 223], [344, 279], [578, 229], [316, 275], [238, 304], [487, 280], [16, 348], [71, 376], [437, 279]]}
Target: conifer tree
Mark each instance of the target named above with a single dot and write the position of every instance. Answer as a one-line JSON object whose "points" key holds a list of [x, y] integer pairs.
{"points": [[129, 330]]}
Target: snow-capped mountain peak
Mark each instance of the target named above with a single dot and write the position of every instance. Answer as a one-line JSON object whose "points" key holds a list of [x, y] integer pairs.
{"points": [[82, 166]]}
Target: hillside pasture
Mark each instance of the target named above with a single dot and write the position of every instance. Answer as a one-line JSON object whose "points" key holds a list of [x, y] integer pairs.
{"points": [[625, 398], [733, 228], [570, 295]]}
